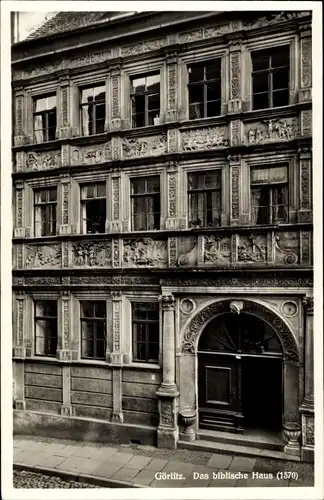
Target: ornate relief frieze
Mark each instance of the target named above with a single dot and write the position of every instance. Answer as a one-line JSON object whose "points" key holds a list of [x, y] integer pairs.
{"points": [[246, 280], [19, 115], [217, 249], [252, 248], [275, 130], [91, 254], [204, 138], [172, 85], [65, 312], [275, 18], [91, 155], [115, 85], [166, 412], [145, 252], [43, 256], [40, 161], [144, 146], [308, 303], [65, 203], [64, 104], [202, 33], [286, 247], [139, 48], [19, 205]]}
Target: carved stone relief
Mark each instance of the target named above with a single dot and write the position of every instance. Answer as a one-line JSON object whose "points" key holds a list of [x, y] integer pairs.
{"points": [[167, 414], [289, 309], [278, 129], [91, 155], [217, 249], [306, 62], [252, 280], [146, 252], [172, 250], [172, 81], [91, 254], [235, 69], [144, 47], [306, 249], [19, 114], [188, 251], [306, 122], [43, 256], [309, 430], [204, 138], [116, 302], [172, 181], [235, 132], [270, 19], [65, 213], [115, 196], [172, 140], [286, 248], [42, 161], [144, 146], [252, 248], [64, 102], [66, 322], [115, 111], [235, 176], [305, 182]]}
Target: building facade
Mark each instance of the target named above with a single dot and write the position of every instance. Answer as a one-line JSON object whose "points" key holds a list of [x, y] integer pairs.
{"points": [[162, 246]]}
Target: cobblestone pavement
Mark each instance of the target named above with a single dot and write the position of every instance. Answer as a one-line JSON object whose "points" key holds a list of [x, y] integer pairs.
{"points": [[27, 479], [140, 465]]}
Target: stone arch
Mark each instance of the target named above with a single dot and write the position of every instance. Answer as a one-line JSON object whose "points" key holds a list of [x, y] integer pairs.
{"points": [[200, 320]]}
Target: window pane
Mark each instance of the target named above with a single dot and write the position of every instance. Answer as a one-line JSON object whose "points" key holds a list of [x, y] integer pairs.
{"points": [[87, 95], [87, 309], [87, 329], [260, 205], [196, 94], [101, 349], [153, 354], [196, 73], [153, 83], [140, 352], [51, 102], [260, 101], [260, 82], [153, 101], [139, 311], [153, 184], [138, 120], [139, 214], [154, 222], [52, 194], [100, 93], [280, 79], [140, 332], [101, 330], [280, 98], [213, 91], [212, 180], [87, 348], [213, 70], [196, 111], [100, 118], [90, 189], [153, 311], [213, 108], [139, 85], [280, 57], [100, 309], [95, 213], [101, 190], [138, 185], [260, 60]]}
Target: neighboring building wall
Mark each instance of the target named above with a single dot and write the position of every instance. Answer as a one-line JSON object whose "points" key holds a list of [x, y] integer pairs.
{"points": [[186, 270]]}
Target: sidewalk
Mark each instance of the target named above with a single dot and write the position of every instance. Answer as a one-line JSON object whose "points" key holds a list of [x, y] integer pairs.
{"points": [[145, 466]]}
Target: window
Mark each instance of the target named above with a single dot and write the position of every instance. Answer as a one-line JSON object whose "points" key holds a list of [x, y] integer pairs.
{"points": [[270, 78], [204, 89], [145, 95], [45, 119], [204, 199], [45, 201], [93, 330], [269, 193], [146, 203], [45, 316], [93, 208], [145, 320], [93, 110]]}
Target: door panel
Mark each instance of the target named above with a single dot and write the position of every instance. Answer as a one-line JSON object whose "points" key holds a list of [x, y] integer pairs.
{"points": [[220, 392]]}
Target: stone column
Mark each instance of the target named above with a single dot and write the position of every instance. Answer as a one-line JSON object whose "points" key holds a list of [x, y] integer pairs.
{"points": [[235, 167], [19, 230], [167, 434], [64, 129], [305, 183], [65, 226], [235, 90], [307, 407], [20, 133], [172, 85], [305, 62], [116, 357]]}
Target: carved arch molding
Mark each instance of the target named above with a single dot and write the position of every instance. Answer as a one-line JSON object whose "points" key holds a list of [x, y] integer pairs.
{"points": [[193, 330]]}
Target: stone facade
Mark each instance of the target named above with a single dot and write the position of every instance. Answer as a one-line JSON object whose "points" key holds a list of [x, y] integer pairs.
{"points": [[193, 274]]}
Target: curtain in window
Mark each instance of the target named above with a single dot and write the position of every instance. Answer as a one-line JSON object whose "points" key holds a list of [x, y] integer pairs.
{"points": [[85, 121], [150, 206], [280, 204], [38, 129], [260, 204], [216, 208], [139, 214], [196, 111]]}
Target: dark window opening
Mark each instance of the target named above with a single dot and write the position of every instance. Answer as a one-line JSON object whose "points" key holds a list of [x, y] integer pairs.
{"points": [[44, 118], [45, 318], [93, 330], [145, 96], [145, 320], [45, 202], [93, 110], [93, 208], [146, 209], [204, 89], [204, 199]]}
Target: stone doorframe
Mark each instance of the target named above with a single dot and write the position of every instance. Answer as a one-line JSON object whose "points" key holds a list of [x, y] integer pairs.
{"points": [[190, 334]]}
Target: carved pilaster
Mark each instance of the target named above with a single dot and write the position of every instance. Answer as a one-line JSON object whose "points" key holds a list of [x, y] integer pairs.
{"points": [[116, 148], [67, 409], [65, 155], [172, 251], [305, 40], [236, 132], [307, 407], [116, 356], [115, 225], [172, 176], [19, 231], [65, 226], [115, 81], [172, 81], [19, 349], [305, 169], [173, 140], [64, 126], [235, 94], [64, 341], [20, 135], [306, 125], [234, 163]]}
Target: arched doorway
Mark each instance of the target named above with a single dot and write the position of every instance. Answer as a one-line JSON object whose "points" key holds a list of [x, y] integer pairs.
{"points": [[240, 374]]}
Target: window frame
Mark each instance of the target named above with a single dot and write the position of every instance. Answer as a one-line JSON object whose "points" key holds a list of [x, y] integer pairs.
{"points": [[93, 104], [205, 84], [145, 195], [146, 95], [47, 203], [146, 322], [217, 171], [94, 320], [270, 51], [84, 201], [45, 113], [45, 319]]}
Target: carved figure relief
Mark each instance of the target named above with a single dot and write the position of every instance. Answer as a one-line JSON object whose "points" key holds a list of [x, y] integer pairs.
{"points": [[43, 161], [270, 19], [204, 138], [252, 248], [146, 252], [167, 412], [283, 129], [91, 155], [217, 250], [43, 256], [144, 146], [286, 247], [92, 254]]}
